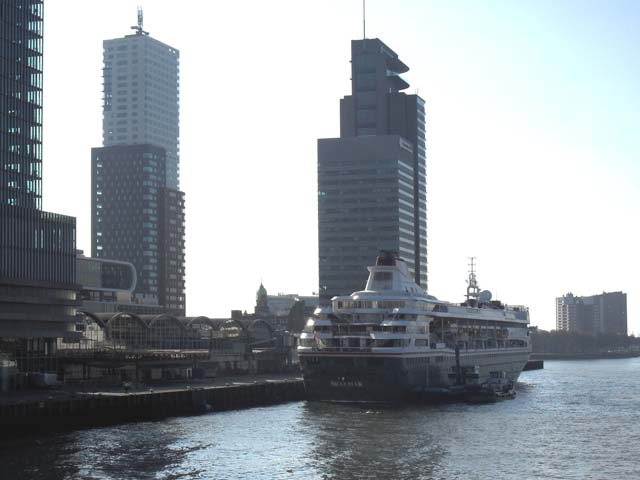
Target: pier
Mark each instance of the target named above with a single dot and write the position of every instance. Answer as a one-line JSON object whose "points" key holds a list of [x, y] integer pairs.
{"points": [[66, 410]]}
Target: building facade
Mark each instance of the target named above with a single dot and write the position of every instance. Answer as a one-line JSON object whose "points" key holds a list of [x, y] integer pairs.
{"points": [[596, 314], [104, 284], [141, 103], [283, 311], [136, 219], [138, 211], [37, 248], [372, 180], [21, 103]]}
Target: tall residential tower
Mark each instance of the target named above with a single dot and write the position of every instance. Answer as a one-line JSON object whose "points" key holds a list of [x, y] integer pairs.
{"points": [[137, 207], [372, 180], [141, 102]]}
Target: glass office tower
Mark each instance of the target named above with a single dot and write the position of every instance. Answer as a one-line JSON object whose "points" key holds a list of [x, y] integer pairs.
{"points": [[37, 248], [372, 180]]}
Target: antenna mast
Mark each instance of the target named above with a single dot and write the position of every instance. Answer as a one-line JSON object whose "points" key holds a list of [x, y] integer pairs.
{"points": [[473, 290], [364, 25], [138, 28]]}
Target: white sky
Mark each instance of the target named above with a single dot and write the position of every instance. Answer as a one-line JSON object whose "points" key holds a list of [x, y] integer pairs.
{"points": [[532, 144]]}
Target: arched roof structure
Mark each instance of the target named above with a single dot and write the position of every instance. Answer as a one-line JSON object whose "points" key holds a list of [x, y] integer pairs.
{"points": [[93, 317], [151, 320], [118, 315], [188, 321], [252, 324]]}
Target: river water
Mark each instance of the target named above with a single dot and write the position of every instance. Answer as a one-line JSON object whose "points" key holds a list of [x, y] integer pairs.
{"points": [[572, 420]]}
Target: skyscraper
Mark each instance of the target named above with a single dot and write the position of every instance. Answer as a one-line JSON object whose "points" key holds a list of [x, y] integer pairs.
{"points": [[372, 180], [21, 97], [141, 96], [137, 209], [37, 248]]}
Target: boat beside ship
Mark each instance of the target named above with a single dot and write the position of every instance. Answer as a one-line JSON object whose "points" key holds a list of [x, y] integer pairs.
{"points": [[393, 342]]}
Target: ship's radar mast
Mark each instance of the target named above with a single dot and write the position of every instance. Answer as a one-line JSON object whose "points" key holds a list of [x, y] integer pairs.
{"points": [[138, 28], [473, 290]]}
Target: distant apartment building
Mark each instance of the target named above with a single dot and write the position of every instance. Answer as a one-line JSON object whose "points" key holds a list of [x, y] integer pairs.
{"points": [[138, 211], [372, 179], [595, 314]]}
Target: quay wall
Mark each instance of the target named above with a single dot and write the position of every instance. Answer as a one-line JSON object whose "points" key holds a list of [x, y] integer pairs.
{"points": [[533, 365], [106, 409], [584, 356]]}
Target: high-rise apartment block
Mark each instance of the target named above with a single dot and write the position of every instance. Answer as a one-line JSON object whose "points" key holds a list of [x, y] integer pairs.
{"points": [[605, 313], [137, 209], [37, 248], [141, 97], [372, 180]]}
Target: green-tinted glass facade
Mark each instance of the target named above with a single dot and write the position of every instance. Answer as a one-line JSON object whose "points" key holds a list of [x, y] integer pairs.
{"points": [[21, 103], [37, 248]]}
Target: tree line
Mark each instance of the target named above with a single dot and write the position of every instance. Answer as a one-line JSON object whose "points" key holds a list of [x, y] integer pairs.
{"points": [[562, 342]]}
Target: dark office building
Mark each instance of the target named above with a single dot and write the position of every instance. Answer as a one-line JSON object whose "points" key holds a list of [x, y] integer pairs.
{"points": [[136, 219], [372, 180], [37, 249], [21, 103], [172, 261], [595, 314]]}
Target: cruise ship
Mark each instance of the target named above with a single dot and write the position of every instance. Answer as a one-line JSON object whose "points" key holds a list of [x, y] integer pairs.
{"points": [[393, 342]]}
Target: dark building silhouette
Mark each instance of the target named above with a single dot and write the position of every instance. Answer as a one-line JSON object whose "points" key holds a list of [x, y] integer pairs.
{"points": [[137, 209], [37, 248], [136, 219], [595, 314], [372, 180]]}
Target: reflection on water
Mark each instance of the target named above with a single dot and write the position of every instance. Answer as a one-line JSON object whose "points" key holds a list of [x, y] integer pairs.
{"points": [[573, 420], [359, 442]]}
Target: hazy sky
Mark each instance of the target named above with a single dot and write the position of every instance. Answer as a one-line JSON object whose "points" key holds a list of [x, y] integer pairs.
{"points": [[533, 149]]}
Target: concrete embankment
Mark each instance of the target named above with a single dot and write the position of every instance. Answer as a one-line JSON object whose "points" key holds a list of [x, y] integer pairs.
{"points": [[583, 356], [93, 409]]}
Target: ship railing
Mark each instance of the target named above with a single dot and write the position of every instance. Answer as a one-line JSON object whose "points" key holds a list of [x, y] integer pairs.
{"points": [[343, 349]]}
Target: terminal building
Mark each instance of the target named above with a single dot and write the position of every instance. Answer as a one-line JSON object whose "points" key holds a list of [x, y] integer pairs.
{"points": [[596, 314]]}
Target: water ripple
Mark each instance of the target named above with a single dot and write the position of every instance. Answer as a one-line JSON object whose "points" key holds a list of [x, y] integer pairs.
{"points": [[572, 420]]}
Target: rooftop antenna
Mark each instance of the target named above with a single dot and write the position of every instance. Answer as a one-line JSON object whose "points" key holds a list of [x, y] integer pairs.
{"points": [[138, 28], [364, 24]]}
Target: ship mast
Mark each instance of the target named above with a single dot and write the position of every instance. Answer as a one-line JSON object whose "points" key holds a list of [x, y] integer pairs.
{"points": [[473, 289]]}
